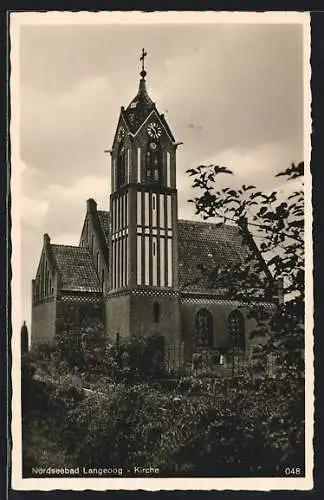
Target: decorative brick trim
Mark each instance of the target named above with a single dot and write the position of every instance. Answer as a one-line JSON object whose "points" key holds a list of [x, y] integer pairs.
{"points": [[215, 300], [81, 299], [145, 291], [156, 292]]}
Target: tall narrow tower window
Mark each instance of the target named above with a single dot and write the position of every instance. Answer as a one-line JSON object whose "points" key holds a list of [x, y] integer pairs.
{"points": [[139, 159], [156, 312], [153, 162], [168, 168], [121, 165]]}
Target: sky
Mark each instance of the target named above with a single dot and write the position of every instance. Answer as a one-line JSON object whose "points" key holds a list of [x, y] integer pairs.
{"points": [[232, 93]]}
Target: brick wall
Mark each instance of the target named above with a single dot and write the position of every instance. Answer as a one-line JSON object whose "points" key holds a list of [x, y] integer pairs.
{"points": [[220, 312], [117, 311], [134, 315], [43, 322], [142, 317]]}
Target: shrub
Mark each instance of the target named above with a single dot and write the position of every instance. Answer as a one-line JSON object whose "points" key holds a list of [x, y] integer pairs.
{"points": [[194, 428]]}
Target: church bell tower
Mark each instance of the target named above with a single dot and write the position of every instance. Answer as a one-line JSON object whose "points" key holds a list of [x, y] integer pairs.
{"points": [[144, 294]]}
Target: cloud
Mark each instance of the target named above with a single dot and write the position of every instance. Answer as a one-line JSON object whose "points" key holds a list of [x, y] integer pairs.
{"points": [[65, 135], [259, 164], [81, 190], [61, 209], [58, 208], [67, 239], [33, 212]]}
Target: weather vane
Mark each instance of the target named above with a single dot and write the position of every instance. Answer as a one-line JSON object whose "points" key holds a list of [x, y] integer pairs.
{"points": [[142, 58]]}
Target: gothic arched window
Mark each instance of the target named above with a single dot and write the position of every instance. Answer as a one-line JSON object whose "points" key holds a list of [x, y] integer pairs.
{"points": [[153, 167], [236, 330], [121, 165], [204, 329], [156, 312]]}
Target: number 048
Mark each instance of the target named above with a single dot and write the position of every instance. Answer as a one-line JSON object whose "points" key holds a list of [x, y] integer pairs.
{"points": [[292, 471]]}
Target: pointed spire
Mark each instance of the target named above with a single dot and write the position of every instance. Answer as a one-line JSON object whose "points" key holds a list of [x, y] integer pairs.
{"points": [[142, 90], [142, 104]]}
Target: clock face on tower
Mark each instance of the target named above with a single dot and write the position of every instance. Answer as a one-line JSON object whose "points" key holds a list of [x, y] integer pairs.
{"points": [[154, 130]]}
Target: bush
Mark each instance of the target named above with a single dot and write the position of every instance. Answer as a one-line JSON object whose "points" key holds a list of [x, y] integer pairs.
{"points": [[194, 428], [128, 417], [88, 352]]}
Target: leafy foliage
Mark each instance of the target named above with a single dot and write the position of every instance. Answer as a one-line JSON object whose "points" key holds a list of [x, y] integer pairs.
{"points": [[276, 223], [87, 351], [195, 428]]}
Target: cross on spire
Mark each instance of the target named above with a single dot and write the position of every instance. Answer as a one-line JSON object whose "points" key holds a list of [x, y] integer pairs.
{"points": [[142, 58]]}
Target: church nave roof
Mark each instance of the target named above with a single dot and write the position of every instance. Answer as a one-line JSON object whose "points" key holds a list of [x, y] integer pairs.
{"points": [[76, 268]]}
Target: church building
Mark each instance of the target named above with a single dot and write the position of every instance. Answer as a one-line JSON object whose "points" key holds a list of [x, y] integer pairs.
{"points": [[137, 267]]}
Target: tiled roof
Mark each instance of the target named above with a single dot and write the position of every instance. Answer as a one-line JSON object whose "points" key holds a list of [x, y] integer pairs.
{"points": [[208, 246], [76, 268], [201, 245], [104, 219]]}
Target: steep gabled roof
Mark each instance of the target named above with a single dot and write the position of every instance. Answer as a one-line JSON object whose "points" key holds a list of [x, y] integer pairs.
{"points": [[104, 220], [76, 269], [204, 245]]}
